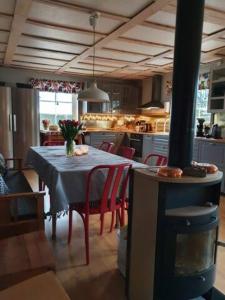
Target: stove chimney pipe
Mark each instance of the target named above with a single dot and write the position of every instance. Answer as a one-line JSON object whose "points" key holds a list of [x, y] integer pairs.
{"points": [[189, 23]]}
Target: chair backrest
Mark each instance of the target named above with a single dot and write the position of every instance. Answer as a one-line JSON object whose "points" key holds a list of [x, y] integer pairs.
{"points": [[106, 146], [160, 160], [115, 185], [53, 143], [126, 152]]}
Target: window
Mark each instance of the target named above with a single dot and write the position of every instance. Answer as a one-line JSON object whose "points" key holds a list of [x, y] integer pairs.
{"points": [[57, 106], [202, 105]]}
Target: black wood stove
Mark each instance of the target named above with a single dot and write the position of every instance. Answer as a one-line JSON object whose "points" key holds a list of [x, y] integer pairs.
{"points": [[173, 222]]}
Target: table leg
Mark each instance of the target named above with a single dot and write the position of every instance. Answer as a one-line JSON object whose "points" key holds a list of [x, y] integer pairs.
{"points": [[54, 219]]}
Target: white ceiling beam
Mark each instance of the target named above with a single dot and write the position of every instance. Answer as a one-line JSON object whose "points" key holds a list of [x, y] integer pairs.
{"points": [[137, 19], [20, 15]]}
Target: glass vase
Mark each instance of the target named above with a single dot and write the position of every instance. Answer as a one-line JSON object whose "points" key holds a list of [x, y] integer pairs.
{"points": [[70, 145]]}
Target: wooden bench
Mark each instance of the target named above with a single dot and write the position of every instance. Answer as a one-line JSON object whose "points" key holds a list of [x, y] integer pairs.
{"points": [[22, 210], [41, 287], [24, 256]]}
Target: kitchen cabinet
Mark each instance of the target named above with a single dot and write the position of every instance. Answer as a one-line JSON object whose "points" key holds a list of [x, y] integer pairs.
{"points": [[214, 153], [160, 145], [96, 138], [147, 145], [216, 101]]}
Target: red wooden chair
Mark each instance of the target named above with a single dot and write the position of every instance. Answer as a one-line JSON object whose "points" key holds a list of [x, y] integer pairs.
{"points": [[106, 146], [111, 200], [53, 143], [126, 152], [160, 160]]}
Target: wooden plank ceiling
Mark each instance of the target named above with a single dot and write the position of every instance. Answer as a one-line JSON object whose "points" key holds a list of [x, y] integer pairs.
{"points": [[134, 39]]}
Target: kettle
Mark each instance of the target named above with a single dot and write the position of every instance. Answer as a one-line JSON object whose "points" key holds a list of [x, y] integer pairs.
{"points": [[216, 132]]}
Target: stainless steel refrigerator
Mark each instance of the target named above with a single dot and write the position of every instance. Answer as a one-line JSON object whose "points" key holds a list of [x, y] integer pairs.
{"points": [[19, 121]]}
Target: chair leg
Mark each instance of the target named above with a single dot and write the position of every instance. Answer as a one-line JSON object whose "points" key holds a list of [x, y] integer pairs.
{"points": [[70, 225], [86, 233], [112, 221], [122, 217], [102, 224]]}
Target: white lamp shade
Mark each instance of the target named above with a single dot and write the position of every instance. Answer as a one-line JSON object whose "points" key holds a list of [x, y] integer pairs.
{"points": [[93, 94]]}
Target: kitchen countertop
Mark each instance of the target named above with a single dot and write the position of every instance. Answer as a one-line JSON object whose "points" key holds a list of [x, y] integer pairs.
{"points": [[89, 130]]}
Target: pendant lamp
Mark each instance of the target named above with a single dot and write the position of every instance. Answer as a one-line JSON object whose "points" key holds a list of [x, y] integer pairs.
{"points": [[93, 93]]}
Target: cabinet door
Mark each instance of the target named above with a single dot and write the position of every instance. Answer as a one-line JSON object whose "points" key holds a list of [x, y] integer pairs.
{"points": [[215, 154], [98, 137], [160, 145], [196, 150], [212, 153], [147, 146]]}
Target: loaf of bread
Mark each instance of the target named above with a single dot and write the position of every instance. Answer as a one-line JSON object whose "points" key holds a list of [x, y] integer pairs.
{"points": [[170, 172]]}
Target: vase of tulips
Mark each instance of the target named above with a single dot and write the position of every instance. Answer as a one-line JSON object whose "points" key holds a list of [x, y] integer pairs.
{"points": [[69, 130]]}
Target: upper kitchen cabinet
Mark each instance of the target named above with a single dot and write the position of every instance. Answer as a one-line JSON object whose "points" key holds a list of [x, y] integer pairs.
{"points": [[124, 98], [217, 91]]}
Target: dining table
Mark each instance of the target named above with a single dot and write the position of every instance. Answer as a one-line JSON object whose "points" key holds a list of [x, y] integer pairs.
{"points": [[66, 176]]}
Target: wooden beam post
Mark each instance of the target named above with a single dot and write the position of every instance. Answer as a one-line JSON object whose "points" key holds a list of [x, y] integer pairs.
{"points": [[20, 15]]}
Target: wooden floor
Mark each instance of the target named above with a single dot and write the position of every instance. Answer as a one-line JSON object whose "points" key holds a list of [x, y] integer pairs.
{"points": [[101, 279]]}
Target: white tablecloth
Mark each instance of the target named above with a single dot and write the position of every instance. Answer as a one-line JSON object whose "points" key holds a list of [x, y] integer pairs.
{"points": [[66, 176]]}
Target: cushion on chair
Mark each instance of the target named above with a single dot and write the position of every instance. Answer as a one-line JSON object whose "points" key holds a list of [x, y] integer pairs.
{"points": [[3, 168], [17, 183], [3, 187]]}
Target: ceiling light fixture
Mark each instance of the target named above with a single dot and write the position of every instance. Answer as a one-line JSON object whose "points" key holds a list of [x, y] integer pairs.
{"points": [[93, 93]]}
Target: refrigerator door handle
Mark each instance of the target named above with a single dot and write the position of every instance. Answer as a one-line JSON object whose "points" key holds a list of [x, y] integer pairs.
{"points": [[10, 122], [14, 123]]}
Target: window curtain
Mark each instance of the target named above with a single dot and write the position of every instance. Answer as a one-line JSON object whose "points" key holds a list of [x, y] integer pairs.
{"points": [[55, 86]]}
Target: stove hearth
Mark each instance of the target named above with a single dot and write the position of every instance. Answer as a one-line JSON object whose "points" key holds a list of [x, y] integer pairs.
{"points": [[172, 237]]}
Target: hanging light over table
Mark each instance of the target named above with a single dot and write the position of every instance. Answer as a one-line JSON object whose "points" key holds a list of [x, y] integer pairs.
{"points": [[93, 93]]}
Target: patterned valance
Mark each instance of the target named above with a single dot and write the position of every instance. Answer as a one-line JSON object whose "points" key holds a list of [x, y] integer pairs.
{"points": [[203, 81], [56, 85]]}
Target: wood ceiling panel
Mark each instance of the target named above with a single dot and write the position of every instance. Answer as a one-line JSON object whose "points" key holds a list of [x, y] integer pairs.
{"points": [[163, 17], [38, 60], [50, 45], [169, 19], [160, 61], [210, 45], [216, 4], [119, 56], [7, 6], [209, 28], [44, 53], [149, 34], [97, 67], [135, 47], [34, 66], [2, 55], [83, 71], [45, 12], [125, 7], [2, 47], [4, 36], [43, 30], [5, 23], [138, 68], [107, 62]]}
